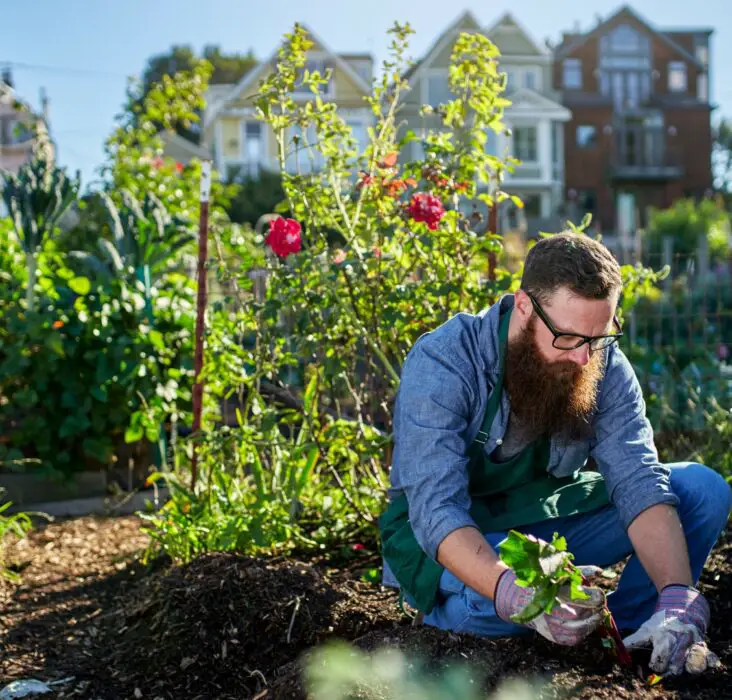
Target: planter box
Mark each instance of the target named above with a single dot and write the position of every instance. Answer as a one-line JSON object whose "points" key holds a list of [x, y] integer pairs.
{"points": [[23, 489]]}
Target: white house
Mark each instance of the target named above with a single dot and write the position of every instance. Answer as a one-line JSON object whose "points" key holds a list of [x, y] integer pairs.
{"points": [[535, 117]]}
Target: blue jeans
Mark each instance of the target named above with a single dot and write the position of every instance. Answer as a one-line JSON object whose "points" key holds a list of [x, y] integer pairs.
{"points": [[598, 538]]}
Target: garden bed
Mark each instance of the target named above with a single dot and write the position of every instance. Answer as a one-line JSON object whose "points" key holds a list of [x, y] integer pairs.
{"points": [[235, 627]]}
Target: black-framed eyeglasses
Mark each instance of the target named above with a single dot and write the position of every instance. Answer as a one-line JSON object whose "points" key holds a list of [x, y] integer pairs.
{"points": [[572, 341]]}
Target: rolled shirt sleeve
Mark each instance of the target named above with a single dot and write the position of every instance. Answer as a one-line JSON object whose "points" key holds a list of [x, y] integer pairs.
{"points": [[623, 445], [431, 418]]}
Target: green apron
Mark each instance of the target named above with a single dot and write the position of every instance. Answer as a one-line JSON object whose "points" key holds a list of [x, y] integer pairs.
{"points": [[504, 495]]}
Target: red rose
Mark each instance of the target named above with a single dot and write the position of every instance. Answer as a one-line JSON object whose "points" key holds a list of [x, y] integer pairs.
{"points": [[427, 208], [284, 236], [358, 547]]}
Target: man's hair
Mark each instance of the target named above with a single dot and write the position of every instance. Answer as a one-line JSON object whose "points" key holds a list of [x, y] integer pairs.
{"points": [[575, 261]]}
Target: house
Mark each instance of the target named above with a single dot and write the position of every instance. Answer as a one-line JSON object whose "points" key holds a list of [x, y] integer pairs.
{"points": [[640, 133], [535, 117], [17, 122], [242, 145]]}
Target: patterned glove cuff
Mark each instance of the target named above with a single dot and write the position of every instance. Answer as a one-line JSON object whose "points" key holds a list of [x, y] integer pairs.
{"points": [[509, 597], [687, 603]]}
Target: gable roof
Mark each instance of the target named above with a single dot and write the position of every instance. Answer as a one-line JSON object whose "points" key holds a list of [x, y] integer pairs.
{"points": [[466, 21], [626, 10], [508, 18], [253, 75], [525, 98]]}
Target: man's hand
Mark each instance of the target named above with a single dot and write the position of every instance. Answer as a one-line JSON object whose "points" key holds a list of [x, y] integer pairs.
{"points": [[676, 632], [568, 624]]}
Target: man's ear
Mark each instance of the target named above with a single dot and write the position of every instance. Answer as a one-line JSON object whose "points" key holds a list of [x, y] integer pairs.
{"points": [[523, 305]]}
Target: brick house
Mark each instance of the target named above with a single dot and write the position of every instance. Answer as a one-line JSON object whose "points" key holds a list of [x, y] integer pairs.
{"points": [[640, 133]]}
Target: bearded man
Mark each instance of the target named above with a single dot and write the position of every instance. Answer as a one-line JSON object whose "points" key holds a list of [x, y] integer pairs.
{"points": [[528, 416]]}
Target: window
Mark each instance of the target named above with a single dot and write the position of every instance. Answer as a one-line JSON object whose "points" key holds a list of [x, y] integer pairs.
{"points": [[532, 205], [360, 133], [303, 155], [530, 79], [438, 91], [586, 136], [13, 131], [702, 54], [524, 144], [625, 67], [253, 151], [702, 87], [491, 142], [417, 146], [625, 39], [677, 76], [321, 65], [572, 74]]}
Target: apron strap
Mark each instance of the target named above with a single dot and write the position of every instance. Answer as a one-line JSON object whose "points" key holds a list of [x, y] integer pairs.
{"points": [[494, 401]]}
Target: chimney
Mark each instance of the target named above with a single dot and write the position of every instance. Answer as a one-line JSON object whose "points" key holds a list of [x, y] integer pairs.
{"points": [[7, 76]]}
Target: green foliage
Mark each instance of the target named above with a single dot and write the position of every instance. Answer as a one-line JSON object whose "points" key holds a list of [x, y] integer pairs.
{"points": [[687, 222], [146, 241], [722, 155], [257, 196], [12, 525], [37, 197], [106, 355], [226, 68], [76, 369], [263, 487], [313, 356], [306, 350], [338, 671], [544, 566], [134, 150]]}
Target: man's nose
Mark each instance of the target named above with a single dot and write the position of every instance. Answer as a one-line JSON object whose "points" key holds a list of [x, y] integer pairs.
{"points": [[581, 355]]}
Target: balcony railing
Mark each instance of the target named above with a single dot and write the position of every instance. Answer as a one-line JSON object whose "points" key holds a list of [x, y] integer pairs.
{"points": [[643, 153]]}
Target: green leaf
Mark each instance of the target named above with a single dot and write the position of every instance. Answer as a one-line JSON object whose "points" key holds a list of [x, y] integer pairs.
{"points": [[135, 431], [80, 285], [99, 393], [55, 343], [157, 340]]}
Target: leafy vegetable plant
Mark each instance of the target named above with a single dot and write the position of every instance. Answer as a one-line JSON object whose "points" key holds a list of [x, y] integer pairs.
{"points": [[547, 567]]}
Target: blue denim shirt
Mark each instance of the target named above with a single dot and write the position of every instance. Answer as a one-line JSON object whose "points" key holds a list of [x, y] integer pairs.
{"points": [[445, 384]]}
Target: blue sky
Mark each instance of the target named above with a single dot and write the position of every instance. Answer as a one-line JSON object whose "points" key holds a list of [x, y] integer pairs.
{"points": [[82, 50]]}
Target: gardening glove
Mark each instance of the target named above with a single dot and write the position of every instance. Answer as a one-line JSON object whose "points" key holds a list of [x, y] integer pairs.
{"points": [[676, 632], [568, 624]]}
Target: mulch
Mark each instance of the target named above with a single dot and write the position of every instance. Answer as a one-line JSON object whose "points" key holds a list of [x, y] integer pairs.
{"points": [[228, 626]]}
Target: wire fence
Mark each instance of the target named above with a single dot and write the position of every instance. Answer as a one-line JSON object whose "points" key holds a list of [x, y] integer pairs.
{"points": [[679, 341]]}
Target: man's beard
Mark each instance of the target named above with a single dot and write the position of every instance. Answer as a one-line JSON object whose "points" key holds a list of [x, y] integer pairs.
{"points": [[550, 398]]}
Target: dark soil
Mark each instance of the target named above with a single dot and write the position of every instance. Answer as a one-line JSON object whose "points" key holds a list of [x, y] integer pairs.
{"points": [[228, 626]]}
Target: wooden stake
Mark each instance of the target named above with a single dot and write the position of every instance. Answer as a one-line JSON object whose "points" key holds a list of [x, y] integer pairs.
{"points": [[201, 302]]}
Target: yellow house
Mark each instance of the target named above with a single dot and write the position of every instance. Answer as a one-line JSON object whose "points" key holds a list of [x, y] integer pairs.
{"points": [[241, 145]]}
